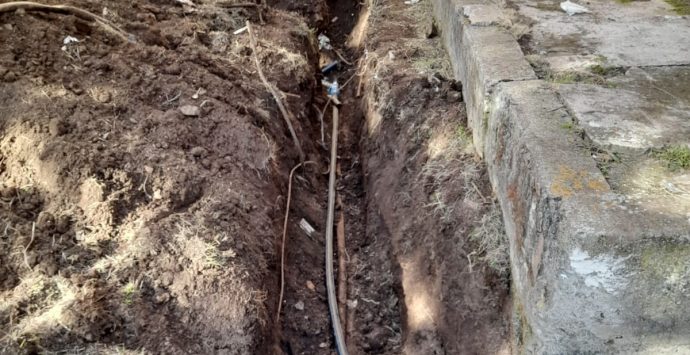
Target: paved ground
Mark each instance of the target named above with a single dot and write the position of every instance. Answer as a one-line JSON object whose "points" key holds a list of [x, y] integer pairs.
{"points": [[624, 72], [583, 122]]}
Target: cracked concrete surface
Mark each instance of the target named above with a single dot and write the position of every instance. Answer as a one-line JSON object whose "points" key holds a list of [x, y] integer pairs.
{"points": [[599, 226]]}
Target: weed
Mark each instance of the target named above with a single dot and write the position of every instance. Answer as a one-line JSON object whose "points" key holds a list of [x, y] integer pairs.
{"points": [[492, 243], [566, 78], [462, 134], [598, 69], [605, 169], [676, 157], [548, 6], [681, 7], [441, 208], [568, 125], [129, 291], [213, 259], [606, 72]]}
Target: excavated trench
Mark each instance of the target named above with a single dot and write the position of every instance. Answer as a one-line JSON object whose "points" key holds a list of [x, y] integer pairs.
{"points": [[425, 253], [144, 185]]}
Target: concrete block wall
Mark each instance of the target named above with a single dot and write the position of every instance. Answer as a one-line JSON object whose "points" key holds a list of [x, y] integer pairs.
{"points": [[592, 273]]}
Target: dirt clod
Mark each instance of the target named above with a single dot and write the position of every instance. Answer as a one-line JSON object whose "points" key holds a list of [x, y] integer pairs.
{"points": [[58, 126], [190, 110], [198, 152], [45, 221]]}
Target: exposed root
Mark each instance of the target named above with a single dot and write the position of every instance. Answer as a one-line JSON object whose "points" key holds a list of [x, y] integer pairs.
{"points": [[65, 9], [286, 114], [282, 245], [26, 248]]}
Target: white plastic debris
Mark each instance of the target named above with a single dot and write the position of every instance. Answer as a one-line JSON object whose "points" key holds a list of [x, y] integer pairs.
{"points": [[299, 305], [69, 40], [198, 93], [331, 88], [238, 31], [185, 2], [306, 227], [572, 8], [324, 42], [411, 2]]}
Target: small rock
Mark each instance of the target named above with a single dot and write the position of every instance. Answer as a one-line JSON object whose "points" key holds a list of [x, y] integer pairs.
{"points": [[162, 297], [375, 340], [323, 345], [310, 285], [8, 26], [219, 41], [45, 221], [8, 192], [102, 96], [31, 260], [10, 77], [63, 223], [198, 152], [173, 69], [48, 267], [299, 306], [58, 127], [166, 278], [190, 110]]}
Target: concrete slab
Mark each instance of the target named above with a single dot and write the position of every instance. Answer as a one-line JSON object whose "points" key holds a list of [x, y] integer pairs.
{"points": [[642, 33], [483, 15], [587, 261], [645, 108], [598, 251]]}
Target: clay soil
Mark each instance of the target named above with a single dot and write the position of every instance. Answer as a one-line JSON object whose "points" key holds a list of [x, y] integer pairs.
{"points": [[126, 224], [129, 224]]}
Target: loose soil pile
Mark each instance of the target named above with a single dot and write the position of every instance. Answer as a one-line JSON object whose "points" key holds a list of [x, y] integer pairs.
{"points": [[124, 223]]}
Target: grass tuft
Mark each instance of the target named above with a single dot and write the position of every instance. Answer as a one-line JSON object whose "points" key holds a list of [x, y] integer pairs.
{"points": [[681, 7], [676, 157], [129, 291]]}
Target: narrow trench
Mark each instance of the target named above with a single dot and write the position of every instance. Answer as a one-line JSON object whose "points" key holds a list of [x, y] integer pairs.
{"points": [[416, 280], [305, 326]]}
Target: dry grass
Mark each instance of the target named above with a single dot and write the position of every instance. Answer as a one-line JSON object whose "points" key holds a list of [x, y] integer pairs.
{"points": [[451, 160], [492, 242]]}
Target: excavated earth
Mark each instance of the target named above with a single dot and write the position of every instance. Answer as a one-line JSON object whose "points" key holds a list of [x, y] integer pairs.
{"points": [[143, 184]]}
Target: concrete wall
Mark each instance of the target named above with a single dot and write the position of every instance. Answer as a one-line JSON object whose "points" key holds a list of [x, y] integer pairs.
{"points": [[592, 272]]}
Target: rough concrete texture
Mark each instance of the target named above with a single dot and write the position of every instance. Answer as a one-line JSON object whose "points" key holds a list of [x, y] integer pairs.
{"points": [[599, 266], [485, 55], [642, 33], [644, 108]]}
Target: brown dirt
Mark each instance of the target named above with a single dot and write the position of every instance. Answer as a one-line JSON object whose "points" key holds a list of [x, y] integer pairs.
{"points": [[154, 231], [434, 249], [126, 226]]}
